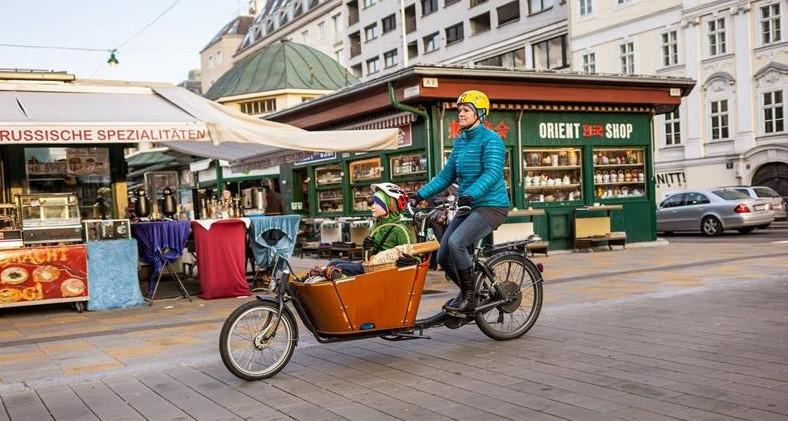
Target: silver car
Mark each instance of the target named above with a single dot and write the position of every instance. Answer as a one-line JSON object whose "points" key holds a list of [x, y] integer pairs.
{"points": [[776, 202], [712, 211]]}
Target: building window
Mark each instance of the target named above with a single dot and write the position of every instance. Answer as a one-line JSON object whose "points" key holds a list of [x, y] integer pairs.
{"points": [[586, 7], [368, 3], [770, 23], [670, 48], [550, 54], [413, 49], [373, 65], [623, 1], [259, 107], [431, 42], [454, 34], [298, 9], [514, 58], [536, 6], [428, 7], [321, 30], [773, 112], [447, 3], [717, 36], [389, 23], [390, 58], [509, 12], [305, 36], [672, 128], [219, 57], [480, 23], [589, 62], [475, 3], [337, 28], [627, 58], [210, 62], [719, 119], [371, 32]]}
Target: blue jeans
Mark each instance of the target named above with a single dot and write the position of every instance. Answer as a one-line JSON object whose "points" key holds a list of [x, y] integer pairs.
{"points": [[348, 268], [459, 240]]}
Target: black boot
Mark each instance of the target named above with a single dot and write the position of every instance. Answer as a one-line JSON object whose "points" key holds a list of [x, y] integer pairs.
{"points": [[456, 300], [468, 302]]}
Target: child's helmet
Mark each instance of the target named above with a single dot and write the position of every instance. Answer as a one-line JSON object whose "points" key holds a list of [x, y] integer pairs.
{"points": [[394, 191]]}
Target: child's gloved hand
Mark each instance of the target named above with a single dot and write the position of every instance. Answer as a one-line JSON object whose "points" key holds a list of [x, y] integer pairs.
{"points": [[407, 260], [369, 243]]}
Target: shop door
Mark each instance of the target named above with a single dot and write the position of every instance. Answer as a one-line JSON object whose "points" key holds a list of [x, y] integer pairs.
{"points": [[774, 175]]}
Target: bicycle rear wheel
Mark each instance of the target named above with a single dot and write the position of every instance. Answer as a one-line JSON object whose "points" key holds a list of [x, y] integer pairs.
{"points": [[248, 347], [517, 280]]}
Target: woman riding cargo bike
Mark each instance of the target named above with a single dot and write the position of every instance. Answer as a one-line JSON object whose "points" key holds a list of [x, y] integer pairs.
{"points": [[501, 288]]}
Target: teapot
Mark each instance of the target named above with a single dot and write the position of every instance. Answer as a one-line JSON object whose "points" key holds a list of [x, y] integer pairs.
{"points": [[605, 160]]}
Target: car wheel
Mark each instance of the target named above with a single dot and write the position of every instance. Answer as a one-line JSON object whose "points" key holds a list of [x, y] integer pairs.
{"points": [[710, 226], [746, 230], [667, 233], [764, 226]]}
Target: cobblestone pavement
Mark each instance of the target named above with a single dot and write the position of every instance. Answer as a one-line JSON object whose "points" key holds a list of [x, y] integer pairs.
{"points": [[685, 331]]}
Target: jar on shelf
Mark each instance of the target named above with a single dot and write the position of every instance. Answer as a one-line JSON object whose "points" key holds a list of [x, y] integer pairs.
{"points": [[573, 158]]}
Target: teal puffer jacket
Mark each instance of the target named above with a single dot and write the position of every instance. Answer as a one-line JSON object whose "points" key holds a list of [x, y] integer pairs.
{"points": [[476, 163]]}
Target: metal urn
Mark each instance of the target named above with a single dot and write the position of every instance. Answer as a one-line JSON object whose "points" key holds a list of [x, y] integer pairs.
{"points": [[142, 204], [169, 204]]}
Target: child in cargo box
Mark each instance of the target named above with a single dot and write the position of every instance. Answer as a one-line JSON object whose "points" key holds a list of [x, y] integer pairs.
{"points": [[388, 231]]}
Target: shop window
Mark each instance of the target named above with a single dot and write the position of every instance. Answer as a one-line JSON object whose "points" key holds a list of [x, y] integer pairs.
{"points": [[370, 32], [773, 112], [619, 173], [550, 54], [537, 6], [373, 65], [670, 48], [589, 62], [672, 128], [390, 58], [770, 24], [480, 23], [83, 171], [454, 34], [716, 36], [586, 7], [428, 7], [389, 23], [509, 12], [719, 119], [553, 175], [430, 42], [626, 57]]}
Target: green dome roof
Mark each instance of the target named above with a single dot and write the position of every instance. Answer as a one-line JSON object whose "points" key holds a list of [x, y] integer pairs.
{"points": [[282, 65]]}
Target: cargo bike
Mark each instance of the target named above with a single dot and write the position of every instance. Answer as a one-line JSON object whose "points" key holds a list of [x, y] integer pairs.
{"points": [[259, 337]]}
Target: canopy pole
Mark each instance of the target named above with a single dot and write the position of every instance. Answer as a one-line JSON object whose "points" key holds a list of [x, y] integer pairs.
{"points": [[418, 112], [219, 179]]}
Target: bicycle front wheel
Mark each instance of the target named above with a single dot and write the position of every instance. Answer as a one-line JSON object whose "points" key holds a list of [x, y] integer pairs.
{"points": [[519, 282], [252, 345]]}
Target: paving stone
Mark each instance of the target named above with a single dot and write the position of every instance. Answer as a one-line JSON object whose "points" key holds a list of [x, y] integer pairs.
{"points": [[25, 405]]}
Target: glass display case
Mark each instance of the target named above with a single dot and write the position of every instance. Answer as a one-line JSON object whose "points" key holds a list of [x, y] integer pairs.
{"points": [[49, 217], [619, 173], [328, 175], [365, 170], [410, 165], [553, 175], [330, 201], [361, 198], [507, 168]]}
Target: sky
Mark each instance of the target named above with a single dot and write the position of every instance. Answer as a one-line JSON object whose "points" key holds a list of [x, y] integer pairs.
{"points": [[165, 52]]}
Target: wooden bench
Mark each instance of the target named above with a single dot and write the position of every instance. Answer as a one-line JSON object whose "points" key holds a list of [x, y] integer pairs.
{"points": [[520, 231], [590, 232]]}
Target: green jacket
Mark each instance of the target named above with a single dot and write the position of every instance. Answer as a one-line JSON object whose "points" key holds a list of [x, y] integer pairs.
{"points": [[398, 236]]}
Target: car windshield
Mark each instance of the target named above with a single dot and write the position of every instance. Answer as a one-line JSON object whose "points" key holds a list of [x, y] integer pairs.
{"points": [[729, 194]]}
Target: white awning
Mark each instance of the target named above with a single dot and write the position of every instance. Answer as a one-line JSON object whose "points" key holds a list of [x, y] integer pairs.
{"points": [[171, 116]]}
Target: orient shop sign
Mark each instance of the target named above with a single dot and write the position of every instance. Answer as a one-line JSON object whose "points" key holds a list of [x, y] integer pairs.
{"points": [[73, 134], [557, 128]]}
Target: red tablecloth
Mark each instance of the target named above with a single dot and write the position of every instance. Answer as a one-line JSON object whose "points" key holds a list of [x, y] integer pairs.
{"points": [[221, 258]]}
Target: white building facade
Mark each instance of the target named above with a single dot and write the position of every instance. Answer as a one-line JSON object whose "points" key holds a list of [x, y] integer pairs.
{"points": [[510, 33], [731, 129]]}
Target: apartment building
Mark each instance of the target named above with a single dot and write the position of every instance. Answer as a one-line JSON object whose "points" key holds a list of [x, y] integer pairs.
{"points": [[731, 129], [216, 56], [510, 33]]}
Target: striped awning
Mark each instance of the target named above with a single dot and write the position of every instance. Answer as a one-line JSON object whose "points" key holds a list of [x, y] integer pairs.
{"points": [[564, 107], [386, 122]]}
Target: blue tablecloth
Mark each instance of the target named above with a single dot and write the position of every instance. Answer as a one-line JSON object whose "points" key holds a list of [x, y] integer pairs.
{"points": [[160, 242], [263, 253], [112, 274]]}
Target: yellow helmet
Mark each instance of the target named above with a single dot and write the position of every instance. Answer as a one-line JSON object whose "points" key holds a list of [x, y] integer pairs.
{"points": [[478, 100]]}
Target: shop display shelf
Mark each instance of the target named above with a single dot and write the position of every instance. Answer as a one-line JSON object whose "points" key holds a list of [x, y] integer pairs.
{"points": [[559, 186], [618, 165], [617, 183], [329, 199], [551, 168]]}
